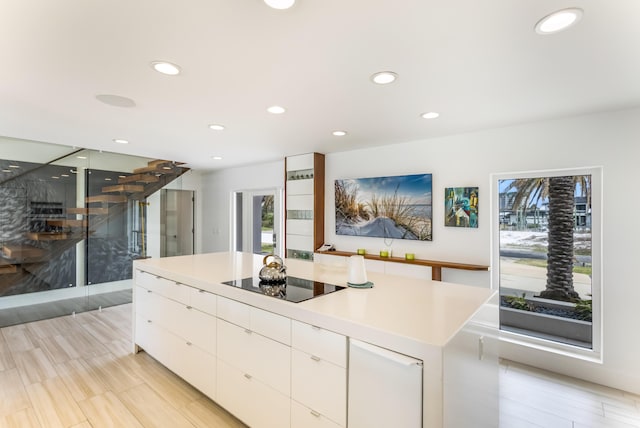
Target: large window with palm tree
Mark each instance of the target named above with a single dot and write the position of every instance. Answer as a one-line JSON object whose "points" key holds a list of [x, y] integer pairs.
{"points": [[548, 252]]}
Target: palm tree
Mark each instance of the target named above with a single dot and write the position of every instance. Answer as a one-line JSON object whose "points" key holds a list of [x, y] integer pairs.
{"points": [[560, 191]]}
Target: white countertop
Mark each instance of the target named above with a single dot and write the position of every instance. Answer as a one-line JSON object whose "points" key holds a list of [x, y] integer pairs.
{"points": [[409, 315]]}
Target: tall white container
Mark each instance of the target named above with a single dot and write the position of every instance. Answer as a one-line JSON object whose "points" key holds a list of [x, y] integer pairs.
{"points": [[385, 388]]}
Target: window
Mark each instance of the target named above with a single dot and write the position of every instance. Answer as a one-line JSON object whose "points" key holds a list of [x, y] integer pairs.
{"points": [[547, 253]]}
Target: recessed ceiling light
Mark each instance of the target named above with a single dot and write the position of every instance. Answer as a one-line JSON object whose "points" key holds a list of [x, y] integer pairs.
{"points": [[64, 175], [116, 100], [120, 141], [107, 179], [430, 115], [276, 110], [558, 21], [216, 157], [280, 4], [55, 177], [166, 68], [384, 77], [81, 157], [339, 133], [6, 170], [14, 166], [216, 127]]}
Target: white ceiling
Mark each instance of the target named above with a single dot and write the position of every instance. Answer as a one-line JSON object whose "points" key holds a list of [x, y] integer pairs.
{"points": [[479, 63]]}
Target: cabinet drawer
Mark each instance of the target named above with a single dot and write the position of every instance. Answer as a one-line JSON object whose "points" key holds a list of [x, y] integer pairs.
{"points": [[300, 242], [195, 327], [300, 187], [276, 327], [234, 312], [167, 288], [297, 162], [303, 417], [273, 326], [156, 341], [197, 367], [317, 341], [250, 400], [203, 300], [300, 202], [319, 385], [256, 355], [300, 227]]}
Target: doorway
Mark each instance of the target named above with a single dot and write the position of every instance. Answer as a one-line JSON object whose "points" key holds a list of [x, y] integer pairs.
{"points": [[257, 221], [176, 222]]}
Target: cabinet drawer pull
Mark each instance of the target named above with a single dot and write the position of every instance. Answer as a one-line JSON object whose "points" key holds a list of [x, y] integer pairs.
{"points": [[246, 330], [158, 277], [201, 291], [149, 321], [314, 413], [247, 375], [314, 358], [315, 327], [189, 307], [189, 343]]}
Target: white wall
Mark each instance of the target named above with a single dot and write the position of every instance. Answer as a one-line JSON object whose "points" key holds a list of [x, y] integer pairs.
{"points": [[610, 140], [218, 186]]}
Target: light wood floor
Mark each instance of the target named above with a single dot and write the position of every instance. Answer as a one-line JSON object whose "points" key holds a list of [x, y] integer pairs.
{"points": [[79, 372]]}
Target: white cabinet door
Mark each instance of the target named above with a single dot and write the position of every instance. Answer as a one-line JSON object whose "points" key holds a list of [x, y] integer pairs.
{"points": [[197, 367], [256, 355], [195, 327], [203, 301], [303, 417], [385, 388], [320, 385], [250, 400]]}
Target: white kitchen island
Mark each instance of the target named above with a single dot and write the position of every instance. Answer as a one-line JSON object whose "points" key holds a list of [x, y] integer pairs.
{"points": [[293, 357]]}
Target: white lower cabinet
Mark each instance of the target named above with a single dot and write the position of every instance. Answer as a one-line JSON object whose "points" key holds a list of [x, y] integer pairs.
{"points": [[250, 400], [385, 388], [318, 376]]}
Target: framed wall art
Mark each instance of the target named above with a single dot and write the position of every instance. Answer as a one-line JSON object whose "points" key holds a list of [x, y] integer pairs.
{"points": [[461, 207], [396, 207]]}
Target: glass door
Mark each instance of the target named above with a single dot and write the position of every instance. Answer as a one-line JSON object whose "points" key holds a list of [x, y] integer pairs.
{"points": [[257, 221]]}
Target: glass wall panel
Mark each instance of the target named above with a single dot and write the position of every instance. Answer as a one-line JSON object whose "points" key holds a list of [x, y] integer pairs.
{"points": [[71, 223]]}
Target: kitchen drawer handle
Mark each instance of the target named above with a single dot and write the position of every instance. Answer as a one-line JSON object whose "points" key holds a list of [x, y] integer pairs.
{"points": [[201, 291], [315, 327], [158, 277], [148, 291], [246, 330], [189, 307], [149, 321], [189, 343], [314, 358], [314, 413], [247, 375]]}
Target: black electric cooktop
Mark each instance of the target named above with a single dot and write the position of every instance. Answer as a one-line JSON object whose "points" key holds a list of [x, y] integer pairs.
{"points": [[294, 290]]}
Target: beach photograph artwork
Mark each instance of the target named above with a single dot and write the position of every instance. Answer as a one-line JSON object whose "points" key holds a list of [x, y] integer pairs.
{"points": [[397, 207]]}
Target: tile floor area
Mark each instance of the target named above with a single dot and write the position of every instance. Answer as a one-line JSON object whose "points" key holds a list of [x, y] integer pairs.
{"points": [[79, 372]]}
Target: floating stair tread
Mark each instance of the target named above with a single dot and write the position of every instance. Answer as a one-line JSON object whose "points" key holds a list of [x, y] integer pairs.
{"points": [[19, 251], [128, 188], [158, 169], [67, 223], [88, 211], [109, 199], [139, 178], [162, 161], [47, 236], [8, 269]]}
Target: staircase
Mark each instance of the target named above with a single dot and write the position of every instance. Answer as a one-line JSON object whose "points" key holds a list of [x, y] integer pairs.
{"points": [[26, 257]]}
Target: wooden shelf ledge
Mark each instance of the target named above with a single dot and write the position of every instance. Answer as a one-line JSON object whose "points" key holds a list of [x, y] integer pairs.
{"points": [[435, 265]]}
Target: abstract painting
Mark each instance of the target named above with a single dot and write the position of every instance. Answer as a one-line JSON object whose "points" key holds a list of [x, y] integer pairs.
{"points": [[461, 207], [396, 207]]}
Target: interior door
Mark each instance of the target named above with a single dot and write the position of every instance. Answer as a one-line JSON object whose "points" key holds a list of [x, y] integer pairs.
{"points": [[176, 222]]}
